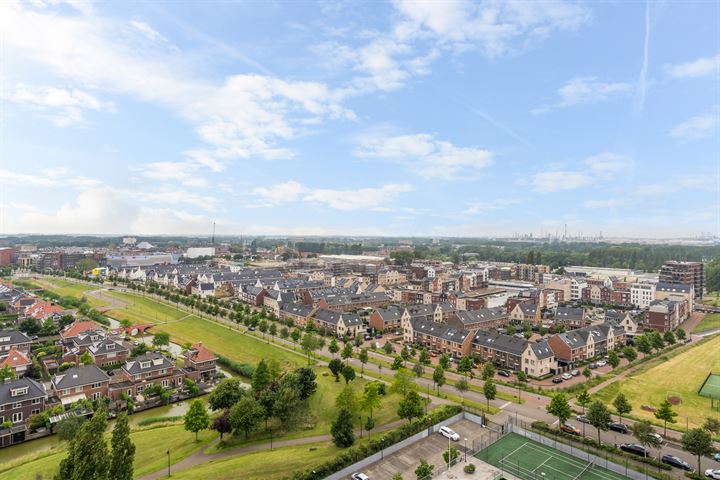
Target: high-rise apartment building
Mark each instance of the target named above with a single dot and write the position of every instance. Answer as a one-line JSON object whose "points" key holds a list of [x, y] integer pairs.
{"points": [[688, 273]]}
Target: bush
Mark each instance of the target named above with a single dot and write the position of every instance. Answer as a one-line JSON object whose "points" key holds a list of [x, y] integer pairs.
{"points": [[243, 369], [152, 420], [469, 468]]}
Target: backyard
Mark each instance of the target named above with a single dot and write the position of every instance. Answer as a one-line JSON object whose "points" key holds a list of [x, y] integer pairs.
{"points": [[680, 376]]}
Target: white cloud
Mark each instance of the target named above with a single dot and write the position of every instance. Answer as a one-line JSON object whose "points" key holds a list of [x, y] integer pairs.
{"points": [[147, 30], [607, 203], [678, 183], [608, 163], [371, 198], [475, 208], [184, 172], [547, 182], [701, 126], [696, 68], [426, 155], [63, 106], [587, 91]]}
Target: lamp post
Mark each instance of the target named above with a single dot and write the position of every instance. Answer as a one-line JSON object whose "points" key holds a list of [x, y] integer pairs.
{"points": [[465, 449], [360, 420], [168, 457], [448, 462]]}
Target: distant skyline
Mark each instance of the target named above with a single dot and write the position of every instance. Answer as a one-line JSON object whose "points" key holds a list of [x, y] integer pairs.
{"points": [[404, 118]]}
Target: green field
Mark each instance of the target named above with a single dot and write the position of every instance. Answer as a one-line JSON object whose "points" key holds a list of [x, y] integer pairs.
{"points": [[263, 465], [148, 456], [143, 310], [531, 460], [710, 322], [680, 375], [66, 288]]}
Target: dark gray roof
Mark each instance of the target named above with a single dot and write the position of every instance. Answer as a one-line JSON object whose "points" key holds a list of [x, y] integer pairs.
{"points": [[13, 337], [501, 342], [106, 346], [440, 330], [79, 376], [148, 362], [391, 313], [332, 317], [570, 313], [673, 287], [468, 317], [542, 349], [34, 390], [299, 309]]}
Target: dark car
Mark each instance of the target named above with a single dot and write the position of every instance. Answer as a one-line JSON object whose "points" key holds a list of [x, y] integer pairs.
{"points": [[582, 419], [378, 335], [592, 366], [635, 449], [618, 427], [676, 462], [503, 373], [557, 380]]}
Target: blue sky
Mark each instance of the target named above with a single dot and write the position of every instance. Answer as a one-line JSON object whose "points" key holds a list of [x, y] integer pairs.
{"points": [[360, 118]]}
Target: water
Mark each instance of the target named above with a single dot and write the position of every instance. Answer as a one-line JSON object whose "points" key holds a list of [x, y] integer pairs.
{"points": [[9, 454]]}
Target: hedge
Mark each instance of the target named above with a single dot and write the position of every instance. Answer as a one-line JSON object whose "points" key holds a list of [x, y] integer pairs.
{"points": [[152, 420], [360, 452], [243, 369]]}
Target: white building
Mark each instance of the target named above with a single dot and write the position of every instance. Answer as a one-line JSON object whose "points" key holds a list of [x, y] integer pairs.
{"points": [[641, 294], [576, 288], [195, 252]]}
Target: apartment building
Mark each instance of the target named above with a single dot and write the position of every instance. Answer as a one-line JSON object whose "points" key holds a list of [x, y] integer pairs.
{"points": [[483, 319], [641, 294], [676, 291], [664, 315], [440, 338], [686, 273]]}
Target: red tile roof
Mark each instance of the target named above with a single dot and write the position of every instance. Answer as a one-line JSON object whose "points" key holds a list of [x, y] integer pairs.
{"points": [[78, 327], [42, 309], [202, 354], [15, 359]]}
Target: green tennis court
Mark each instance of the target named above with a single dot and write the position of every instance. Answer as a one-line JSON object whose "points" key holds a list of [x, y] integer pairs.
{"points": [[711, 387], [531, 460]]}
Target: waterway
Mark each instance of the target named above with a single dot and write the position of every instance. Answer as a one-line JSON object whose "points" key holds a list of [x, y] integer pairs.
{"points": [[8, 454]]}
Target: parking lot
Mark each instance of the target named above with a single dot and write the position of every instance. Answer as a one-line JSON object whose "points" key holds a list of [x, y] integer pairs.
{"points": [[431, 449]]}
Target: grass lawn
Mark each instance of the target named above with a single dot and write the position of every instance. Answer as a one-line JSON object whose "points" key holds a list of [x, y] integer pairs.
{"points": [[143, 310], [681, 375], [228, 343], [266, 465], [151, 443], [66, 288], [710, 322]]}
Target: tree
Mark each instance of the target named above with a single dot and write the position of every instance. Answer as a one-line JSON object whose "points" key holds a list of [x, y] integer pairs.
{"points": [[196, 418], [642, 343], [221, 424], [286, 403], [336, 366], [583, 399], [85, 359], [123, 450], [465, 366], [666, 414], [613, 359], [403, 382], [306, 382], [161, 339], [488, 371], [68, 428], [7, 372], [587, 373], [348, 373], [310, 344], [388, 348], [462, 387], [333, 347], [622, 406], [698, 442], [444, 361], [424, 470], [424, 357], [226, 394], [397, 363], [644, 433], [598, 416], [295, 336], [712, 425], [521, 376], [418, 369], [559, 407], [371, 398], [439, 377], [347, 399], [261, 377], [669, 337], [411, 406], [629, 353], [138, 350], [245, 415], [342, 429], [680, 334], [347, 352], [87, 457], [29, 326], [656, 340], [363, 357], [490, 391]]}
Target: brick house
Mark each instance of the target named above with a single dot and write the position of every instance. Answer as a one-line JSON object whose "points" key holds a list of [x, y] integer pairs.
{"points": [[298, 313], [252, 294], [484, 319], [19, 400], [145, 370], [572, 317], [440, 337], [338, 323], [664, 315], [200, 363], [80, 382], [13, 339], [505, 351], [389, 318], [525, 312], [76, 328], [17, 361]]}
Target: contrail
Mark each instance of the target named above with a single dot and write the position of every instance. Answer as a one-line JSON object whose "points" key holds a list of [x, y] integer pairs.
{"points": [[642, 79]]}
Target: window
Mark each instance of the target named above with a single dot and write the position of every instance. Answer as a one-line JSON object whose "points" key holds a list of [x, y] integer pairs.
{"points": [[96, 385], [96, 395], [17, 405], [17, 417], [16, 392], [35, 411], [35, 401], [2, 408], [165, 383]]}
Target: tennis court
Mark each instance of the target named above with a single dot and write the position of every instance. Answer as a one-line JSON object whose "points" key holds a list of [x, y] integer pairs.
{"points": [[530, 460], [711, 387]]}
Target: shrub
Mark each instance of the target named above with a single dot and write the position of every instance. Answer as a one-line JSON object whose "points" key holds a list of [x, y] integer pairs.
{"points": [[243, 369], [469, 468], [152, 420]]}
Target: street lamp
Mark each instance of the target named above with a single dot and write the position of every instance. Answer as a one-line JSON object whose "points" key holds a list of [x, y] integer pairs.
{"points": [[465, 439], [168, 457], [360, 420]]}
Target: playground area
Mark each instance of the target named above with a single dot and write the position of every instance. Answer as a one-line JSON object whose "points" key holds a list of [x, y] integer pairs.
{"points": [[530, 460]]}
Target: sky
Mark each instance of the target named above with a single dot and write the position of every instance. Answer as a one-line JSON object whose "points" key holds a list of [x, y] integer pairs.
{"points": [[400, 118]]}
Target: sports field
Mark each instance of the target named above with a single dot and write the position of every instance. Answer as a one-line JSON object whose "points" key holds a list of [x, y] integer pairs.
{"points": [[711, 387], [531, 460]]}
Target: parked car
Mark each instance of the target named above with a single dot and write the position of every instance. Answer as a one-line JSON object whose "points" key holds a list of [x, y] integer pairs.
{"points": [[618, 427], [635, 449], [658, 438], [582, 419], [447, 432], [367, 337], [575, 373], [359, 476], [503, 373], [676, 462], [715, 474], [557, 380], [567, 428], [592, 366], [717, 457], [433, 354], [379, 335], [566, 376], [601, 363]]}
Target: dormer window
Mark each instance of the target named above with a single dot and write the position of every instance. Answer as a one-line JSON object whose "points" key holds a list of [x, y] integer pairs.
{"points": [[16, 392], [111, 346], [144, 364]]}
